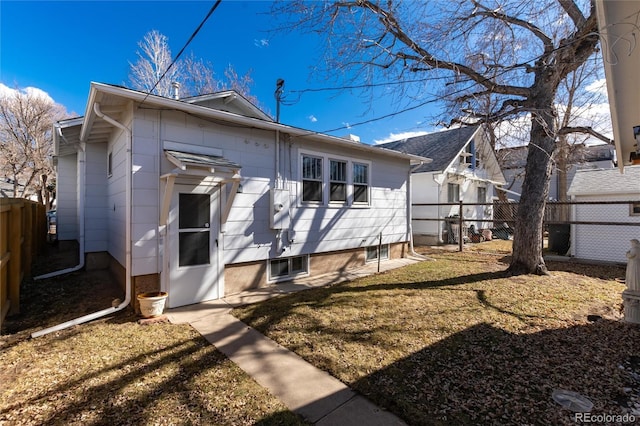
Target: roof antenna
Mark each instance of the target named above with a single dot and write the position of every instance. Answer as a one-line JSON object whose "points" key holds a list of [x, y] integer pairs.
{"points": [[278, 95]]}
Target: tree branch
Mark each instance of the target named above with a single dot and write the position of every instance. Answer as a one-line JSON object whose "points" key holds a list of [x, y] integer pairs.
{"points": [[574, 12], [496, 14], [586, 130]]}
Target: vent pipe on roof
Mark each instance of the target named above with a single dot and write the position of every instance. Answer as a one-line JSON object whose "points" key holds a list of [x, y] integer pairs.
{"points": [[176, 90]]}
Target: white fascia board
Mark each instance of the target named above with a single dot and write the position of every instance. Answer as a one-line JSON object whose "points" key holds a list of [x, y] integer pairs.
{"points": [[233, 118]]}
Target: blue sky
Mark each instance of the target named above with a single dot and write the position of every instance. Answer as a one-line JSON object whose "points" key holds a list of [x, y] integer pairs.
{"points": [[60, 47]]}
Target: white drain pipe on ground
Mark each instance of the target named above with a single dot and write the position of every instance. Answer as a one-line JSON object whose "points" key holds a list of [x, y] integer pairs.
{"points": [[127, 300]]}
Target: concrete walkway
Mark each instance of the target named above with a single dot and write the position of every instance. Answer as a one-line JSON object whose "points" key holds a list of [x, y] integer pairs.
{"points": [[306, 390]]}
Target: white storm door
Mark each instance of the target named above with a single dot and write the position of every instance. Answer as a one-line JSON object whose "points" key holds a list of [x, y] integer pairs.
{"points": [[193, 231]]}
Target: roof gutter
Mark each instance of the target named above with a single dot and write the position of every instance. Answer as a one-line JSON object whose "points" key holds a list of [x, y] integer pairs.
{"points": [[239, 119], [127, 300]]}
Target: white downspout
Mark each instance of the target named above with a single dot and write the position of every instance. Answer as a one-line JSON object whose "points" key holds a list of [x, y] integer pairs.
{"points": [[80, 205], [127, 300]]}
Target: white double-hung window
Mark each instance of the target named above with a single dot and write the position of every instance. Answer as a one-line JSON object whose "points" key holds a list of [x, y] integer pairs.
{"points": [[327, 180], [360, 183], [337, 181], [312, 179]]}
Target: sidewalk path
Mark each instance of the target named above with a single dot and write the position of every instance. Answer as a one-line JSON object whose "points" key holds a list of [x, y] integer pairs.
{"points": [[314, 394]]}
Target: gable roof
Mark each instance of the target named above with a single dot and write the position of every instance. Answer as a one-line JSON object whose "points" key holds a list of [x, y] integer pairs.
{"points": [[107, 99], [606, 181], [230, 101], [442, 146]]}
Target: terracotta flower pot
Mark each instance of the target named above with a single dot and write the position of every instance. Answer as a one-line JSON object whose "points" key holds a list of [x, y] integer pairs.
{"points": [[152, 303]]}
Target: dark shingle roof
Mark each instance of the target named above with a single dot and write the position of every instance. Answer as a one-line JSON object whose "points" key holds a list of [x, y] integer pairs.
{"points": [[442, 147], [516, 157]]}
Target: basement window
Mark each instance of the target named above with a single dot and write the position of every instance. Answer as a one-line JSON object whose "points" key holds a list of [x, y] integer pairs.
{"points": [[289, 267], [371, 253]]}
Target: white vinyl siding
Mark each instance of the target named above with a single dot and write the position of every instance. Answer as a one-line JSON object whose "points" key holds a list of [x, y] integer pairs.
{"points": [[67, 198], [96, 231], [602, 242]]}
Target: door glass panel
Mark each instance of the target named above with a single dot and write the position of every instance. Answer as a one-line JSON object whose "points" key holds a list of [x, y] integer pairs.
{"points": [[194, 211], [194, 248]]}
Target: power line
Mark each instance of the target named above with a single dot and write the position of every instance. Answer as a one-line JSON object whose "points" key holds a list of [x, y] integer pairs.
{"points": [[213, 8], [504, 71]]}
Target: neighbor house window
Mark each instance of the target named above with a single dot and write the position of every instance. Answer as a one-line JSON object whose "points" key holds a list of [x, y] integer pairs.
{"points": [[337, 180], [371, 253], [280, 269], [482, 194], [634, 208], [311, 179], [360, 183], [453, 193]]}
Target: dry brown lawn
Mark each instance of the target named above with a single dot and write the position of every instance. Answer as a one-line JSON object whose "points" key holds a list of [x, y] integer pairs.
{"points": [[456, 341], [115, 371]]}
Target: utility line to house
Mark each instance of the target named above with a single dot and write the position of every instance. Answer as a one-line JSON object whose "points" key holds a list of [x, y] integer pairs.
{"points": [[506, 70], [213, 8]]}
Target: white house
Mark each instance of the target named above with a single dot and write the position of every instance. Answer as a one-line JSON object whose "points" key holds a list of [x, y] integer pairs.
{"points": [[208, 196], [463, 168], [606, 242], [514, 159]]}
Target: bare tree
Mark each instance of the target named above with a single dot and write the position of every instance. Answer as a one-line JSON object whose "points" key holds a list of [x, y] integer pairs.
{"points": [[195, 76], [26, 142], [517, 53]]}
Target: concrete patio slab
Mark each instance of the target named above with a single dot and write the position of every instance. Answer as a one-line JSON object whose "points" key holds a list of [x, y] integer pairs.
{"points": [[306, 390]]}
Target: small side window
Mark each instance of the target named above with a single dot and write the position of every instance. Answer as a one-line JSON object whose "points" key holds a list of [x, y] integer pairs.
{"points": [[109, 164], [634, 208]]}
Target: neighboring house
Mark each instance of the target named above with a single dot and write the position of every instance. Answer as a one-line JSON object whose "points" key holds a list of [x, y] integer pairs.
{"points": [[464, 167], [604, 242], [208, 196], [513, 161]]}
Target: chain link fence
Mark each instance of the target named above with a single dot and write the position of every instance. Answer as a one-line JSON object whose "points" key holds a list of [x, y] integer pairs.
{"points": [[591, 230]]}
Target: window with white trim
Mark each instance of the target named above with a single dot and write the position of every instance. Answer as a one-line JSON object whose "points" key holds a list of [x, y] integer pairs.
{"points": [[360, 183], [482, 194], [329, 181], [371, 253], [109, 164], [634, 208], [311, 179], [453, 192], [289, 267], [337, 181]]}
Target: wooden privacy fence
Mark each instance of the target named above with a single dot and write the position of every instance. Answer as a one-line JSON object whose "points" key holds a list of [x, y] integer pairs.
{"points": [[23, 234]]}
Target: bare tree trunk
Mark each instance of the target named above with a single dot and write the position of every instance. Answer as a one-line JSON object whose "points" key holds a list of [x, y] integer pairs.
{"points": [[527, 238]]}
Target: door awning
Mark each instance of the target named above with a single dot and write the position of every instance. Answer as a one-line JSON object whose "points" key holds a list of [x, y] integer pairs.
{"points": [[184, 160], [201, 166]]}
